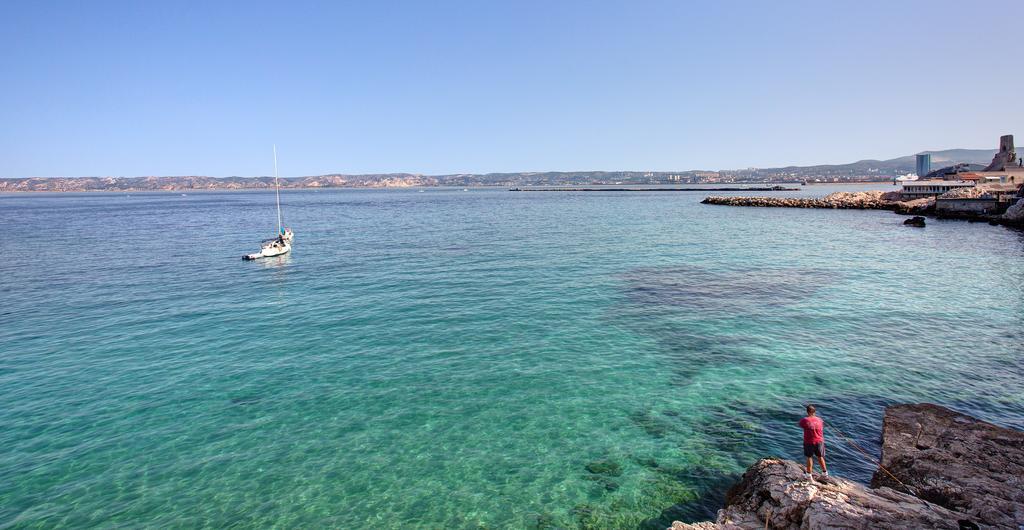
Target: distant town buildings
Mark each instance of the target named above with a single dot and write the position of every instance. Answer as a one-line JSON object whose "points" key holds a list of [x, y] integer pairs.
{"points": [[924, 164], [988, 192]]}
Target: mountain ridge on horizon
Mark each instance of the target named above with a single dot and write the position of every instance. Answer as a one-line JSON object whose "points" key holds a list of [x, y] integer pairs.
{"points": [[866, 170], [950, 156]]}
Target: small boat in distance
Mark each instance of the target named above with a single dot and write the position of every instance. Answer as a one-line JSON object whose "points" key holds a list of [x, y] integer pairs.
{"points": [[282, 244]]}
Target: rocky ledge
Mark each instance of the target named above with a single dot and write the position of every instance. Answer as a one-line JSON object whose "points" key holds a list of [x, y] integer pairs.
{"points": [[958, 473], [955, 461]]}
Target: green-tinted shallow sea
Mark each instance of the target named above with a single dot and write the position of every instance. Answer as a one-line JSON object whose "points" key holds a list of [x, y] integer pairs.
{"points": [[443, 358]]}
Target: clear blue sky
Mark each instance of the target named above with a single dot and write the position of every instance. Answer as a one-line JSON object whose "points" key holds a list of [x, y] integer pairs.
{"points": [[186, 88]]}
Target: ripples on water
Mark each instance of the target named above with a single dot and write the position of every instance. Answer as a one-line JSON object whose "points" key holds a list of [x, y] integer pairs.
{"points": [[467, 360]]}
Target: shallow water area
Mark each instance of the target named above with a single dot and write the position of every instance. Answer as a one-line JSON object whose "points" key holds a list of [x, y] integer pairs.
{"points": [[483, 359]]}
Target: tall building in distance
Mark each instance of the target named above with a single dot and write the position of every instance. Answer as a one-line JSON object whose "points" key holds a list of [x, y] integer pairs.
{"points": [[924, 165]]}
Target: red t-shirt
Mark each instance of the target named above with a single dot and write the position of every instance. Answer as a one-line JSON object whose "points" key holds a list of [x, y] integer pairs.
{"points": [[813, 426]]}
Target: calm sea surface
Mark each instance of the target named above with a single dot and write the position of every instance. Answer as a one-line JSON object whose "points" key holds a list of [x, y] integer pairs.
{"points": [[469, 359]]}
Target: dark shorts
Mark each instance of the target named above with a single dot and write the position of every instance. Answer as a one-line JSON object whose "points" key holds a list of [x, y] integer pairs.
{"points": [[817, 449]]}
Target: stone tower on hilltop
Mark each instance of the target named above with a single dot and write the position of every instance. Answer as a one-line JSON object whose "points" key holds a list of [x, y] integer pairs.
{"points": [[1006, 157]]}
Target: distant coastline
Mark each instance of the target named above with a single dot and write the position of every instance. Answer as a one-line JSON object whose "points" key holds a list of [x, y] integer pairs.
{"points": [[182, 184], [200, 183], [74, 185], [863, 171], [397, 180]]}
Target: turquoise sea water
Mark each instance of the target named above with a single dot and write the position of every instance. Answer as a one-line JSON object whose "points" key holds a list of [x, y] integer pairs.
{"points": [[468, 359]]}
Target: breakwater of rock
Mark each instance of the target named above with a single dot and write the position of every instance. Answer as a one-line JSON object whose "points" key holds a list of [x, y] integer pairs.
{"points": [[865, 200], [873, 200]]}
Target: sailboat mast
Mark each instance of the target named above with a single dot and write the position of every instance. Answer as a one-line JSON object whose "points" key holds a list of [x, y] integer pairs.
{"points": [[277, 188]]}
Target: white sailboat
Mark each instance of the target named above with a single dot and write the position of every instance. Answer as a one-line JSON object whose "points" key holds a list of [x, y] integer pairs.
{"points": [[282, 244]]}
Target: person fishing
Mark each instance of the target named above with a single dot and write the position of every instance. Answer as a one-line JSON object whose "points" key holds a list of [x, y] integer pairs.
{"points": [[814, 441]]}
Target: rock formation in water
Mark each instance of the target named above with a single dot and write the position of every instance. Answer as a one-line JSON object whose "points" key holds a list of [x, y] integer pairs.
{"points": [[1005, 157], [964, 473], [955, 461]]}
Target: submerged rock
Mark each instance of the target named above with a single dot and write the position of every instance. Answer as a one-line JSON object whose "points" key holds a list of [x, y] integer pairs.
{"points": [[917, 221], [955, 461], [605, 467], [654, 426], [246, 400], [603, 481]]}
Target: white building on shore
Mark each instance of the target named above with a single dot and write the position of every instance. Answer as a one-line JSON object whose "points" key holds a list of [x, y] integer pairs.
{"points": [[932, 188]]}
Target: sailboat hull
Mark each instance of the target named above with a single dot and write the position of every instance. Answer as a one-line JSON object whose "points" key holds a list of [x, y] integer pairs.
{"points": [[269, 252]]}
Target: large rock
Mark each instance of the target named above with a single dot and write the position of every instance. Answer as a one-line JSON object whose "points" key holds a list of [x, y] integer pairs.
{"points": [[773, 493], [1015, 212], [955, 461], [924, 205]]}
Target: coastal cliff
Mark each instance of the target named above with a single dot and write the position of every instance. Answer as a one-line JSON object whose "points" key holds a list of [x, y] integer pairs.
{"points": [[963, 473]]}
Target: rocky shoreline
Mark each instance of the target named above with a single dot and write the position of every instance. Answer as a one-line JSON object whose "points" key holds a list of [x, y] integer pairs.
{"points": [[871, 200], [951, 471]]}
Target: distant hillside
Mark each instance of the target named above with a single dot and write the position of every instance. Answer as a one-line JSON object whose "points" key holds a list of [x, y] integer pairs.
{"points": [[948, 157], [390, 180], [860, 171], [903, 164]]}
